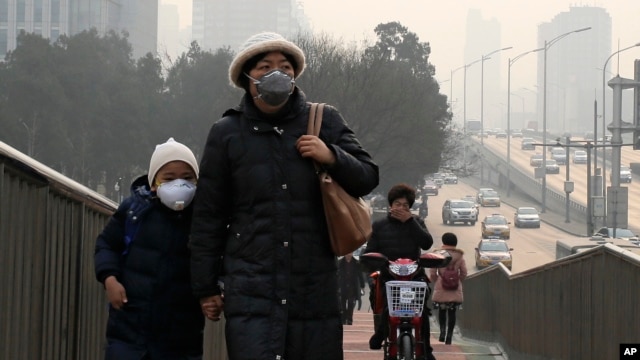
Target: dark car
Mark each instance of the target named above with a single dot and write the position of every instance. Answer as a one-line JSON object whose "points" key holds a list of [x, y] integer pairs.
{"points": [[620, 233]]}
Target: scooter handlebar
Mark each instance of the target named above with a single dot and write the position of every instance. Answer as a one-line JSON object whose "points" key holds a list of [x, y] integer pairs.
{"points": [[436, 259]]}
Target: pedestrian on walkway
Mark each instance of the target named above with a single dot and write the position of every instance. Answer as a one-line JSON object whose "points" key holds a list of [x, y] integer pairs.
{"points": [[448, 293], [351, 282], [142, 259], [258, 214]]}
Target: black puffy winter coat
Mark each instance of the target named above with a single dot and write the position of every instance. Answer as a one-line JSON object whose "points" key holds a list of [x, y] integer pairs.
{"points": [[396, 239], [161, 316], [259, 222]]}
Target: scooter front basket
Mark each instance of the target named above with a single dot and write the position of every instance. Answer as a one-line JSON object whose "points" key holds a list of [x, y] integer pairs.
{"points": [[406, 298]]}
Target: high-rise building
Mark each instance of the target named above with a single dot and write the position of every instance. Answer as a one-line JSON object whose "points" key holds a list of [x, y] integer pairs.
{"points": [[483, 78], [52, 18], [574, 68], [228, 23]]}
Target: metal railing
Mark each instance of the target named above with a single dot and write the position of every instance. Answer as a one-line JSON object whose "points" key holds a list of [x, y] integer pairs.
{"points": [[51, 306]]}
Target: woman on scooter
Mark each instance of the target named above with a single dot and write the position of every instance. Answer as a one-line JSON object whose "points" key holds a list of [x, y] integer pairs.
{"points": [[399, 235]]}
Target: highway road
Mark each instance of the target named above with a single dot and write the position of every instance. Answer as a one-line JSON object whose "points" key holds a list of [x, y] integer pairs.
{"points": [[531, 247], [577, 173]]}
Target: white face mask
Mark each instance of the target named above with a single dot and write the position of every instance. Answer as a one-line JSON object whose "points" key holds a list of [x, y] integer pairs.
{"points": [[176, 194]]}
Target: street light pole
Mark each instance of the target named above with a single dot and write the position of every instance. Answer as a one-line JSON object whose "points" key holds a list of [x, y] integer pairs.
{"points": [[464, 91], [547, 45], [604, 124], [511, 61], [464, 126], [464, 112], [484, 57]]}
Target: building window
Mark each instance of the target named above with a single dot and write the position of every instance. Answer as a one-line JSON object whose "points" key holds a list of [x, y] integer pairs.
{"points": [[55, 12], [37, 11], [3, 42], [20, 11], [4, 11]]}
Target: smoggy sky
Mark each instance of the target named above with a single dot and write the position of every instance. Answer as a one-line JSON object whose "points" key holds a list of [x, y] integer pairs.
{"points": [[442, 24]]}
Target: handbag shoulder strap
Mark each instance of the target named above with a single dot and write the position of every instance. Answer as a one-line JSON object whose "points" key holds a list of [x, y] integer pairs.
{"points": [[315, 119], [313, 127]]}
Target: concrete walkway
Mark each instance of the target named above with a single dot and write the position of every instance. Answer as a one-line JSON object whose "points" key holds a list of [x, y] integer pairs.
{"points": [[356, 343]]}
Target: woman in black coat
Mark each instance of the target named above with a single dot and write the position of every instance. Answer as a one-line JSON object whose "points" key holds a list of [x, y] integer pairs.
{"points": [[258, 219], [351, 282]]}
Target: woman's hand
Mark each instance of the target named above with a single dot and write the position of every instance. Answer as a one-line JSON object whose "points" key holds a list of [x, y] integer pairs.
{"points": [[212, 307], [310, 146], [401, 214]]}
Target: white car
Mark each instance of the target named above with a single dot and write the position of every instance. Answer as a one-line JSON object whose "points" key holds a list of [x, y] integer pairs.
{"points": [[551, 167], [579, 157], [526, 216], [625, 175]]}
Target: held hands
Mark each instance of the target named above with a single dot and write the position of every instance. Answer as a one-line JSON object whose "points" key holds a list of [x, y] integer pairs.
{"points": [[212, 307], [310, 146], [116, 293], [402, 214]]}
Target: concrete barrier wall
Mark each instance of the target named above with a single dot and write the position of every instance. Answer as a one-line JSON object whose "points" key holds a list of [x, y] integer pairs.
{"points": [[525, 183]]}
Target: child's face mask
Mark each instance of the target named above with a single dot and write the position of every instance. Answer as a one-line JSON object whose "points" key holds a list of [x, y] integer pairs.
{"points": [[176, 194]]}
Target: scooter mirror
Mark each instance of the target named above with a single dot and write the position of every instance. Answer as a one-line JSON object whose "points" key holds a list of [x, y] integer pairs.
{"points": [[373, 261], [436, 259]]}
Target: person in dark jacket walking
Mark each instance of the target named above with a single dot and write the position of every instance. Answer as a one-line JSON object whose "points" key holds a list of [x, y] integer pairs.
{"points": [[351, 281], [399, 235], [445, 300], [259, 223], [142, 258]]}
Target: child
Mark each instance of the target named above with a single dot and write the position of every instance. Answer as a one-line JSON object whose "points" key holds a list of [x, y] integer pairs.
{"points": [[447, 301], [143, 261]]}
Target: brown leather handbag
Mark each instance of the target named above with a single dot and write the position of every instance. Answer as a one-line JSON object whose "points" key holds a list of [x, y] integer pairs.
{"points": [[348, 218]]}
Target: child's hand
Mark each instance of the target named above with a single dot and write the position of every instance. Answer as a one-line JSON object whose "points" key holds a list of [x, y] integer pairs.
{"points": [[116, 293], [212, 307]]}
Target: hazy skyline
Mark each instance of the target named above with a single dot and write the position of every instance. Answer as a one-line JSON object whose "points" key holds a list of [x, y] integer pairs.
{"points": [[442, 24]]}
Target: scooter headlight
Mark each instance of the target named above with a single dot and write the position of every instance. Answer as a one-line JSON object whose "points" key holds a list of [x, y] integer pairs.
{"points": [[403, 269]]}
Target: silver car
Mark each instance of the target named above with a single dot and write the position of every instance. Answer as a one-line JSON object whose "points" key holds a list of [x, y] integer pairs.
{"points": [[459, 211], [526, 216], [579, 157]]}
